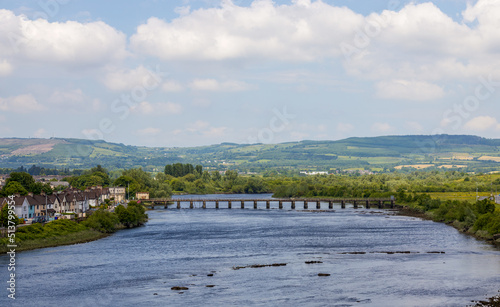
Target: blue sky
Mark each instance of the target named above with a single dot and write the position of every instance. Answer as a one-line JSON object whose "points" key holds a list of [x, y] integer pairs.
{"points": [[187, 73]]}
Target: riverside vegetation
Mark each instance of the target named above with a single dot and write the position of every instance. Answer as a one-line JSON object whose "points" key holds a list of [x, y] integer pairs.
{"points": [[63, 232], [445, 196]]}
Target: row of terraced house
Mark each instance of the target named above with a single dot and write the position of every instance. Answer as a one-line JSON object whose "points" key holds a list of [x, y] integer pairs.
{"points": [[70, 200]]}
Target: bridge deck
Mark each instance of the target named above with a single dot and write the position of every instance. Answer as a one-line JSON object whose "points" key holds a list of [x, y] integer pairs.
{"points": [[366, 202]]}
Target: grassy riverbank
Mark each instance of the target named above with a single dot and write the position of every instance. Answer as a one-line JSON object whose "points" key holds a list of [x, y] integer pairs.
{"points": [[56, 233]]}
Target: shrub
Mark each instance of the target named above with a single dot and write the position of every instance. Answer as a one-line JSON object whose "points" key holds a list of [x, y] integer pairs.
{"points": [[102, 221]]}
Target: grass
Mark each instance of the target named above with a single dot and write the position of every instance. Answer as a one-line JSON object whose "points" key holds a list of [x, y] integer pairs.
{"points": [[83, 236], [468, 196]]}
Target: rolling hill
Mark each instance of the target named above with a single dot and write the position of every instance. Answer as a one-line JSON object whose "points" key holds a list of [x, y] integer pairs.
{"points": [[384, 153]]}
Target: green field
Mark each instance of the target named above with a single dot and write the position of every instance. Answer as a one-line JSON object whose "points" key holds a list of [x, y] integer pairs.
{"points": [[378, 154]]}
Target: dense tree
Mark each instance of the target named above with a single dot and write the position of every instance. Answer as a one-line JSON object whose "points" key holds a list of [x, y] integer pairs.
{"points": [[12, 188], [132, 216], [6, 216], [25, 179]]}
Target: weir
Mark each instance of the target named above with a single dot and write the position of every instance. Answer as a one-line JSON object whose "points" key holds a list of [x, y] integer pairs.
{"points": [[283, 203]]}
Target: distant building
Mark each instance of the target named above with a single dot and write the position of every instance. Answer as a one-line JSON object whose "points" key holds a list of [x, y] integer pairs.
{"points": [[142, 195], [118, 193], [496, 198], [55, 184], [314, 173]]}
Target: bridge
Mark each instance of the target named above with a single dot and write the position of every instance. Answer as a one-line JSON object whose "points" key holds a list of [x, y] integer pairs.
{"points": [[291, 202]]}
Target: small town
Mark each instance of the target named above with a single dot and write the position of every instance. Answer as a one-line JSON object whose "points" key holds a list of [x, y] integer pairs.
{"points": [[70, 203]]}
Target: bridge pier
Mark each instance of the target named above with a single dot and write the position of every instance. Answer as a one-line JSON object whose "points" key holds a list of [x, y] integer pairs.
{"points": [[330, 204], [204, 204], [242, 204], [191, 206], [355, 204], [392, 203], [318, 204], [268, 204], [178, 204], [281, 204], [380, 204], [255, 204], [342, 204], [216, 204], [306, 205], [229, 204], [367, 204], [293, 204]]}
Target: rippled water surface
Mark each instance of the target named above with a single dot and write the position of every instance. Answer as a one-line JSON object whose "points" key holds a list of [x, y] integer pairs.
{"points": [[138, 267]]}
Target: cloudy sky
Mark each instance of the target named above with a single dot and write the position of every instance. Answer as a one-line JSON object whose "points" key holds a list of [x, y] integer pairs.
{"points": [[197, 72]]}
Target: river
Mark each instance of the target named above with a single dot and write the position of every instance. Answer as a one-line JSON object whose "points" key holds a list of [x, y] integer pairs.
{"points": [[138, 267]]}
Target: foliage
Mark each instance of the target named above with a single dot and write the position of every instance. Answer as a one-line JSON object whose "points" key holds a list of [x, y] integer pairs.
{"points": [[12, 188], [4, 216], [102, 221], [97, 176], [181, 170], [132, 216], [25, 179], [49, 230]]}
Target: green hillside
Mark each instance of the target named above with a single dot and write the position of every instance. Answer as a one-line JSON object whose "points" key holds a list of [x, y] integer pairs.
{"points": [[458, 152]]}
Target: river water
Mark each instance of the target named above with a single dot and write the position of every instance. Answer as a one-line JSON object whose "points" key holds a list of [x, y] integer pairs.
{"points": [[138, 267]]}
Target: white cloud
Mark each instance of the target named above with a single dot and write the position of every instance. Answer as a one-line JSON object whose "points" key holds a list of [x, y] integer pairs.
{"points": [[213, 85], [160, 108], [149, 131], [381, 127], [418, 42], [482, 123], [25, 103], [345, 127], [302, 31], [68, 43], [408, 90], [5, 68], [71, 97], [171, 86], [128, 79], [74, 99]]}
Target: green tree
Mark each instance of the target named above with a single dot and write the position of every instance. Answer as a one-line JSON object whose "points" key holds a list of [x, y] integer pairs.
{"points": [[25, 179], [132, 216], [485, 206], [4, 216], [14, 187], [102, 221]]}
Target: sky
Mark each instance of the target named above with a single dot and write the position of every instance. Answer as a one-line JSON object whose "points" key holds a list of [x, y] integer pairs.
{"points": [[197, 72]]}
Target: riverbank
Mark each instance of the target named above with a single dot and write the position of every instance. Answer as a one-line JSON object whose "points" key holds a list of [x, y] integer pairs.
{"points": [[414, 212], [52, 234], [84, 236]]}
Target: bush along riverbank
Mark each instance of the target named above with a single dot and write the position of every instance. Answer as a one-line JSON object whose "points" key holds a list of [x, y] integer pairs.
{"points": [[479, 219], [98, 225]]}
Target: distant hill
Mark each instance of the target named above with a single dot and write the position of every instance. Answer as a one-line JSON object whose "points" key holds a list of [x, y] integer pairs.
{"points": [[464, 152]]}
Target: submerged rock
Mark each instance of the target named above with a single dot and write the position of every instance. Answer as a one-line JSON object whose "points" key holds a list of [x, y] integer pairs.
{"points": [[179, 288], [323, 274]]}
